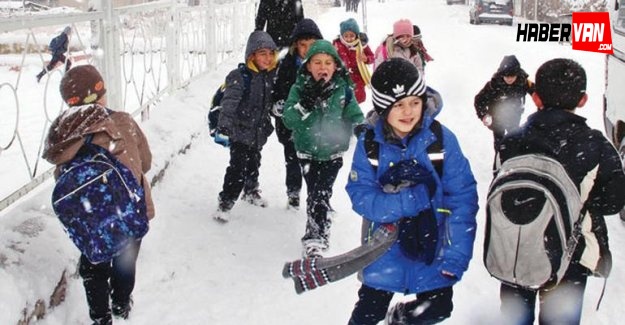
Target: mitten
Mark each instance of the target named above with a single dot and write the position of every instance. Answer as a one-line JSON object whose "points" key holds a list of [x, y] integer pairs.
{"points": [[406, 173], [360, 129], [310, 94], [222, 139], [278, 108]]}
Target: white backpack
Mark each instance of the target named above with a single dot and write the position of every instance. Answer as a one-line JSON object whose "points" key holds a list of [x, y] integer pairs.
{"points": [[534, 221]]}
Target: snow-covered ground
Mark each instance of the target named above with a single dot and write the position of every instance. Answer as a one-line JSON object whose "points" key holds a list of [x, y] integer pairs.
{"points": [[192, 270]]}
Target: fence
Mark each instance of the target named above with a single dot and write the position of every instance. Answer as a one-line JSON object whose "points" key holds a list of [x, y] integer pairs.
{"points": [[143, 52]]}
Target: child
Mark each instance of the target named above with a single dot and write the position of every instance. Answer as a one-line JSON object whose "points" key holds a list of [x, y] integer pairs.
{"points": [[436, 209], [355, 56], [417, 40], [304, 34], [400, 45], [556, 131], [82, 88], [321, 112], [61, 43], [500, 103], [244, 123]]}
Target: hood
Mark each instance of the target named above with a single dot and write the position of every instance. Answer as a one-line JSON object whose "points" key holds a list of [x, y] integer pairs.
{"points": [[258, 40], [323, 46], [305, 28], [509, 66], [67, 132]]}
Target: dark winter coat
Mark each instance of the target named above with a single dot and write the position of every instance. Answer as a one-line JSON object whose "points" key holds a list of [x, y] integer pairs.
{"points": [[116, 131], [563, 135], [323, 133], [244, 115], [500, 99], [348, 55], [62, 44], [280, 16], [455, 202]]}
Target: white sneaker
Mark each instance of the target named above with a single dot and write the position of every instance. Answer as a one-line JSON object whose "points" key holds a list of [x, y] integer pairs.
{"points": [[221, 216]]}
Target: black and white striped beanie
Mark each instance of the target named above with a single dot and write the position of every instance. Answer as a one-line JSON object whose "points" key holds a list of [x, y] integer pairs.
{"points": [[394, 80]]}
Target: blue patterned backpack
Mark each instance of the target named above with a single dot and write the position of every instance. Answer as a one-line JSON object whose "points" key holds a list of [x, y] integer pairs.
{"points": [[100, 203]]}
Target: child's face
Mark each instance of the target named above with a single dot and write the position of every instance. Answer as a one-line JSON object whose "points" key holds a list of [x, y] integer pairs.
{"points": [[321, 66], [509, 79], [263, 58], [404, 115], [349, 36], [303, 45], [404, 40]]}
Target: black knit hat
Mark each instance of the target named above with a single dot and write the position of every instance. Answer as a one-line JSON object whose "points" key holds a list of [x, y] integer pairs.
{"points": [[394, 80], [560, 83], [305, 28], [82, 85], [509, 66]]}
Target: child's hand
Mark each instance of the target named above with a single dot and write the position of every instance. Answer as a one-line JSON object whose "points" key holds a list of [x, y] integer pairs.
{"points": [[310, 94]]}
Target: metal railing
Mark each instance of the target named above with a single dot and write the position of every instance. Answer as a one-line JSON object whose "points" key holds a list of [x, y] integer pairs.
{"points": [[143, 52]]}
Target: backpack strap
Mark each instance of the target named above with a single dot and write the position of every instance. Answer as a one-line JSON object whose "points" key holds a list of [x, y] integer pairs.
{"points": [[372, 148], [436, 152], [247, 78]]}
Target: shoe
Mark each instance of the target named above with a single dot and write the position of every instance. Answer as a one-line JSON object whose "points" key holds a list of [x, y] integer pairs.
{"points": [[222, 216], [314, 248], [106, 320], [39, 76], [293, 203], [122, 310], [254, 198]]}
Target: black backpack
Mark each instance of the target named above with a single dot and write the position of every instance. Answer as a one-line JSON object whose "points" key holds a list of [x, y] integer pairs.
{"points": [[215, 109], [418, 237]]}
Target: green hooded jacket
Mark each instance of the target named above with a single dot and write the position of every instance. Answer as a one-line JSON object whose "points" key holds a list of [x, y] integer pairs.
{"points": [[323, 133]]}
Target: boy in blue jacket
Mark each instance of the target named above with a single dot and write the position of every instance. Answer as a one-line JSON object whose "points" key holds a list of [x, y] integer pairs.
{"points": [[405, 188]]}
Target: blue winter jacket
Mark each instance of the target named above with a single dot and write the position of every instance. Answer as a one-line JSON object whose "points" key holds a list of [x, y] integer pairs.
{"points": [[455, 203]]}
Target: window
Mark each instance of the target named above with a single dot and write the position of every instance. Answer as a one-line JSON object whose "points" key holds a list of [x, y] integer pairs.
{"points": [[619, 25]]}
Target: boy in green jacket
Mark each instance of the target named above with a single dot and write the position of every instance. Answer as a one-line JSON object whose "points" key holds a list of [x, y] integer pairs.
{"points": [[321, 111]]}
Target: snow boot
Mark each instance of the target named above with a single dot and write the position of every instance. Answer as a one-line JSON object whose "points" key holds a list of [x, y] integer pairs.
{"points": [[222, 214], [293, 202], [122, 310], [314, 247], [40, 75], [254, 198], [106, 320]]}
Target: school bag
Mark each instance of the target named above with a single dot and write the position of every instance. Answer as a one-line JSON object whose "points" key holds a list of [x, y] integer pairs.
{"points": [[215, 109], [534, 214], [100, 203], [418, 237]]}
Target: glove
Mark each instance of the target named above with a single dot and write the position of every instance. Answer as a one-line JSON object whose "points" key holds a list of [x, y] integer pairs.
{"points": [[406, 173], [360, 129], [311, 93], [278, 108], [222, 139]]}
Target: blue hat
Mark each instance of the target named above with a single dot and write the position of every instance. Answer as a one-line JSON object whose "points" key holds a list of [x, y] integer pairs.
{"points": [[350, 25]]}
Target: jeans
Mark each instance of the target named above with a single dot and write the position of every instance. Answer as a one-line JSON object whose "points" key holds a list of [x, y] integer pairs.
{"points": [[112, 280], [560, 305]]}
